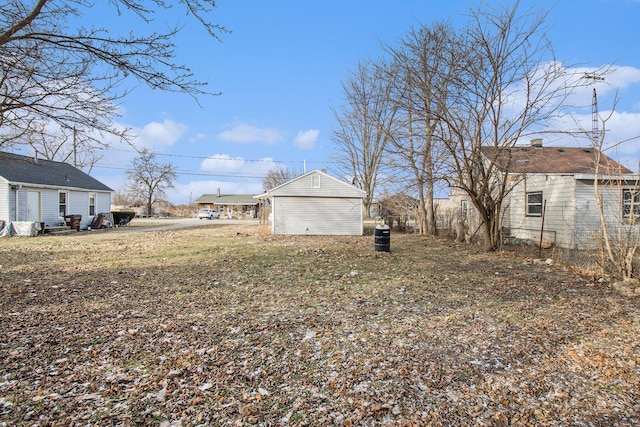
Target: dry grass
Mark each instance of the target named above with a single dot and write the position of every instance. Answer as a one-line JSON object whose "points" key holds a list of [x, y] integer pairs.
{"points": [[230, 326]]}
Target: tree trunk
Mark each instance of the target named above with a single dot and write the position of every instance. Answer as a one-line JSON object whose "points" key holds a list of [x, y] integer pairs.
{"points": [[149, 206], [430, 211]]}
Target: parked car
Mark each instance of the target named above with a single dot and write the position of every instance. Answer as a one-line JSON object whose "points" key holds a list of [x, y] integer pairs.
{"points": [[208, 213]]}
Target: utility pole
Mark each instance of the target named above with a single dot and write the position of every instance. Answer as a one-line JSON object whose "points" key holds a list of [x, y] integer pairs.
{"points": [[75, 149]]}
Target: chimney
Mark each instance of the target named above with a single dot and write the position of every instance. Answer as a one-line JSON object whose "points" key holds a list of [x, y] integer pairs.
{"points": [[536, 142], [218, 192]]}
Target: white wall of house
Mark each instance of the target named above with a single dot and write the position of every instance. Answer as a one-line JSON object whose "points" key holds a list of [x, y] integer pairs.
{"points": [[5, 201], [77, 204], [558, 191], [50, 214], [572, 218], [588, 229]]}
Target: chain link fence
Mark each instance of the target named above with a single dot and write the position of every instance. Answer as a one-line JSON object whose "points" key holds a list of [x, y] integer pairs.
{"points": [[568, 234]]}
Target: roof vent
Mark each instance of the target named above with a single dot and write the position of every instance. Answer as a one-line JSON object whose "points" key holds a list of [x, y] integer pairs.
{"points": [[536, 142]]}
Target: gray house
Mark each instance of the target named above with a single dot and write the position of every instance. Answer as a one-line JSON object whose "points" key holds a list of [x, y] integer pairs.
{"points": [[316, 203], [552, 199], [230, 205], [44, 191]]}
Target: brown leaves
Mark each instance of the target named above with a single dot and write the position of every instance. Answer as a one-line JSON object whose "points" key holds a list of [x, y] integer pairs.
{"points": [[202, 328]]}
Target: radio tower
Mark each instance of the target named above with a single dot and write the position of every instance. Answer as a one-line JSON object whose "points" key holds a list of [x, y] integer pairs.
{"points": [[595, 132]]}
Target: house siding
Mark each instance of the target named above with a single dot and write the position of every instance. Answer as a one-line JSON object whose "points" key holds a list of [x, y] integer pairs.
{"points": [[617, 226], [77, 204], [559, 217], [587, 231], [103, 203], [329, 187], [20, 200], [5, 201], [49, 199], [317, 216]]}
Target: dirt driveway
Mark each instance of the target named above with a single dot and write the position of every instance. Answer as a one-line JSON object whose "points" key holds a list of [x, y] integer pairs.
{"points": [[159, 224]]}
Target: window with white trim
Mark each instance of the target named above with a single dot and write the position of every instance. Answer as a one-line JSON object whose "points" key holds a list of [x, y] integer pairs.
{"points": [[315, 181], [62, 203], [92, 204], [534, 203], [630, 203]]}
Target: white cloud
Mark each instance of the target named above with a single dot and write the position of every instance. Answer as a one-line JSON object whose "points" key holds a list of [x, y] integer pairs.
{"points": [[224, 164], [622, 77], [244, 133], [198, 137], [154, 134], [306, 140]]}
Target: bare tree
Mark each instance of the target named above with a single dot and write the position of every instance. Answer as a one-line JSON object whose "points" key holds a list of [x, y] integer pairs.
{"points": [[54, 70], [421, 75], [278, 175], [149, 179], [508, 85], [365, 125], [65, 145], [617, 193]]}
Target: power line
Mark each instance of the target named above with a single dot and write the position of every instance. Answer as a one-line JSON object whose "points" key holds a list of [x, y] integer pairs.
{"points": [[218, 157], [190, 173]]}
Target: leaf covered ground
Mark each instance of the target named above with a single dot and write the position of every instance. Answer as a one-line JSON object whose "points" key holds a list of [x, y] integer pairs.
{"points": [[228, 325]]}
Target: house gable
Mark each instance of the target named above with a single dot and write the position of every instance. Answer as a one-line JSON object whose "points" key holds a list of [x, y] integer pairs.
{"points": [[316, 184]]}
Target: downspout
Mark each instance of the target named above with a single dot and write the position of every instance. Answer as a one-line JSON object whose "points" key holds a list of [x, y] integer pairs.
{"points": [[17, 218]]}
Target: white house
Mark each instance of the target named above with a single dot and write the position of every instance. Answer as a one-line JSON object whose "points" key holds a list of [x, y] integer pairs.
{"points": [[316, 203], [45, 191], [553, 200]]}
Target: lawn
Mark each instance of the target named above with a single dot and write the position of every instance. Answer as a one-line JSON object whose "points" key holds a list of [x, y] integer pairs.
{"points": [[227, 325]]}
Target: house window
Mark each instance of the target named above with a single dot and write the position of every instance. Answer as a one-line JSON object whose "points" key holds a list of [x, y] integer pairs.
{"points": [[62, 203], [315, 181], [534, 203], [630, 202], [464, 207], [92, 204]]}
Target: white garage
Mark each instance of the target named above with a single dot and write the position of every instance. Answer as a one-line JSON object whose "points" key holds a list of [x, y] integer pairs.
{"points": [[316, 203]]}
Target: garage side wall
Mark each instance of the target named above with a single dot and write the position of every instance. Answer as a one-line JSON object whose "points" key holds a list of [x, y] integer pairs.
{"points": [[317, 216]]}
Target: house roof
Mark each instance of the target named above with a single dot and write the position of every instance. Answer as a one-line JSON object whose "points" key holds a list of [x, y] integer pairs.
{"points": [[399, 199], [17, 169], [227, 199], [560, 160]]}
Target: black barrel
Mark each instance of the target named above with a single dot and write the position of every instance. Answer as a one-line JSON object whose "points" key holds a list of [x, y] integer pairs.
{"points": [[383, 238]]}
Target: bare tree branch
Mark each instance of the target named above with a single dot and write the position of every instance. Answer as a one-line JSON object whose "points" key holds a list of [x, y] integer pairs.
{"points": [[54, 70]]}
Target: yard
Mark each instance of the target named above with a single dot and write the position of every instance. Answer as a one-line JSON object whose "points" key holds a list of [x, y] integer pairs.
{"points": [[227, 325]]}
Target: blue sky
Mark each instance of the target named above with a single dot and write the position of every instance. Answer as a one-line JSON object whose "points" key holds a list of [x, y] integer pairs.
{"points": [[279, 73]]}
